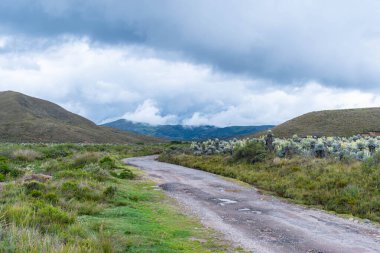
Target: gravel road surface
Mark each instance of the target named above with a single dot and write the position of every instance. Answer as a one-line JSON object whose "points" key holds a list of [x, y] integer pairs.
{"points": [[259, 223]]}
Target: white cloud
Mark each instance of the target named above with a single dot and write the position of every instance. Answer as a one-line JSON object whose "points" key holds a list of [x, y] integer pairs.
{"points": [[274, 106], [108, 82], [3, 42], [149, 113]]}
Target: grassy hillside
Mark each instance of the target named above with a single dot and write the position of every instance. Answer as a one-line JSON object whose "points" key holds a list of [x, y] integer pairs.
{"points": [[331, 123], [179, 132], [28, 119]]}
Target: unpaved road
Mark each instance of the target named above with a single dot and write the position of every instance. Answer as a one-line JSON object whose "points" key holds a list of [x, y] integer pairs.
{"points": [[258, 222]]}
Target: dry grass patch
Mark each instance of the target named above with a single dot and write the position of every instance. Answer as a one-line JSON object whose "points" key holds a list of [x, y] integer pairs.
{"points": [[28, 155]]}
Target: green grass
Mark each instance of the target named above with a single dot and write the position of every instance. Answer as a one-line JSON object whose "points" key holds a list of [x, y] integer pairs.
{"points": [[92, 203], [349, 187]]}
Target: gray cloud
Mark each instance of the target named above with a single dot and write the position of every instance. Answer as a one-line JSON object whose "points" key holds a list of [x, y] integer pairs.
{"points": [[291, 42]]}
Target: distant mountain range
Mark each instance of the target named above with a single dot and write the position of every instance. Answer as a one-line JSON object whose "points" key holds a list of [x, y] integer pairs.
{"points": [[27, 119], [187, 133]]}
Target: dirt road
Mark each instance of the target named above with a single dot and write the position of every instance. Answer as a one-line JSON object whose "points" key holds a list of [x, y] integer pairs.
{"points": [[258, 222]]}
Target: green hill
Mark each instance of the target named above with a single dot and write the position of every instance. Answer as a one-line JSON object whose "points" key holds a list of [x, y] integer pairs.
{"points": [[28, 119], [345, 122], [186, 133]]}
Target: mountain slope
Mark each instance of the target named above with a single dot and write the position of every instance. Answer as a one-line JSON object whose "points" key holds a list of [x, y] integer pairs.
{"points": [[28, 119], [346, 122], [179, 132]]}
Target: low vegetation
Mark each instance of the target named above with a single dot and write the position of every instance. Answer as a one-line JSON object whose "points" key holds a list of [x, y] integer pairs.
{"points": [[354, 147], [346, 186], [81, 198]]}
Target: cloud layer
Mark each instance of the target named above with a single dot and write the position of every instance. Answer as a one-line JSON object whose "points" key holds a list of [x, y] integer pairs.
{"points": [[336, 43], [193, 62]]}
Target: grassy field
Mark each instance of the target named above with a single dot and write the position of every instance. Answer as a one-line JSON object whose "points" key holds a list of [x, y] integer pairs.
{"points": [[346, 187], [81, 198]]}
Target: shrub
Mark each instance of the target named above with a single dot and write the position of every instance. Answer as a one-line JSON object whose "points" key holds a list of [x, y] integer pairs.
{"points": [[125, 174], [51, 197], [49, 214], [80, 160], [56, 151], [19, 213], [26, 155], [373, 161], [16, 172], [35, 193], [252, 152], [72, 189], [33, 185], [107, 163], [110, 191], [4, 168], [3, 159]]}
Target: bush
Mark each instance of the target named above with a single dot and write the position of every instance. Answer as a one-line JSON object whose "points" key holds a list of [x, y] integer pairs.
{"points": [[72, 189], [33, 185], [4, 168], [107, 163], [19, 213], [56, 151], [110, 191], [49, 214], [35, 193], [3, 159], [51, 197], [125, 174], [252, 152]]}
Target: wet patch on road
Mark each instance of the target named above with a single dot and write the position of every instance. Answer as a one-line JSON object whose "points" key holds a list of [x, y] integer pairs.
{"points": [[224, 202]]}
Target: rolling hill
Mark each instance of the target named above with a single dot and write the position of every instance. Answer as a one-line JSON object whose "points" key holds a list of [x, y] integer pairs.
{"points": [[180, 132], [345, 122], [27, 119]]}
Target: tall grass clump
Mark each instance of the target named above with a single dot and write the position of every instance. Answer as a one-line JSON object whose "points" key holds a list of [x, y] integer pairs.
{"points": [[28, 155]]}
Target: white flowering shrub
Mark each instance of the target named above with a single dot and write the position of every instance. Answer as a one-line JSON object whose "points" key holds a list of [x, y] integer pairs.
{"points": [[356, 147]]}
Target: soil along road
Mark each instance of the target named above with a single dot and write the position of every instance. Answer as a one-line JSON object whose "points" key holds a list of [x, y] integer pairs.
{"points": [[258, 222]]}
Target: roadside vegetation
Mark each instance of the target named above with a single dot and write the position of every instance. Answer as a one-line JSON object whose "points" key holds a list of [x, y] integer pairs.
{"points": [[344, 185], [82, 198]]}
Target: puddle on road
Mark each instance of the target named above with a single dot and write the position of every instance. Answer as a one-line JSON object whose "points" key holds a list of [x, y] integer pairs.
{"points": [[244, 209], [226, 202]]}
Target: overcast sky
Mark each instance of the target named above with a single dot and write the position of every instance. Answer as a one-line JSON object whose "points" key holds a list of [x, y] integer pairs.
{"points": [[193, 62]]}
